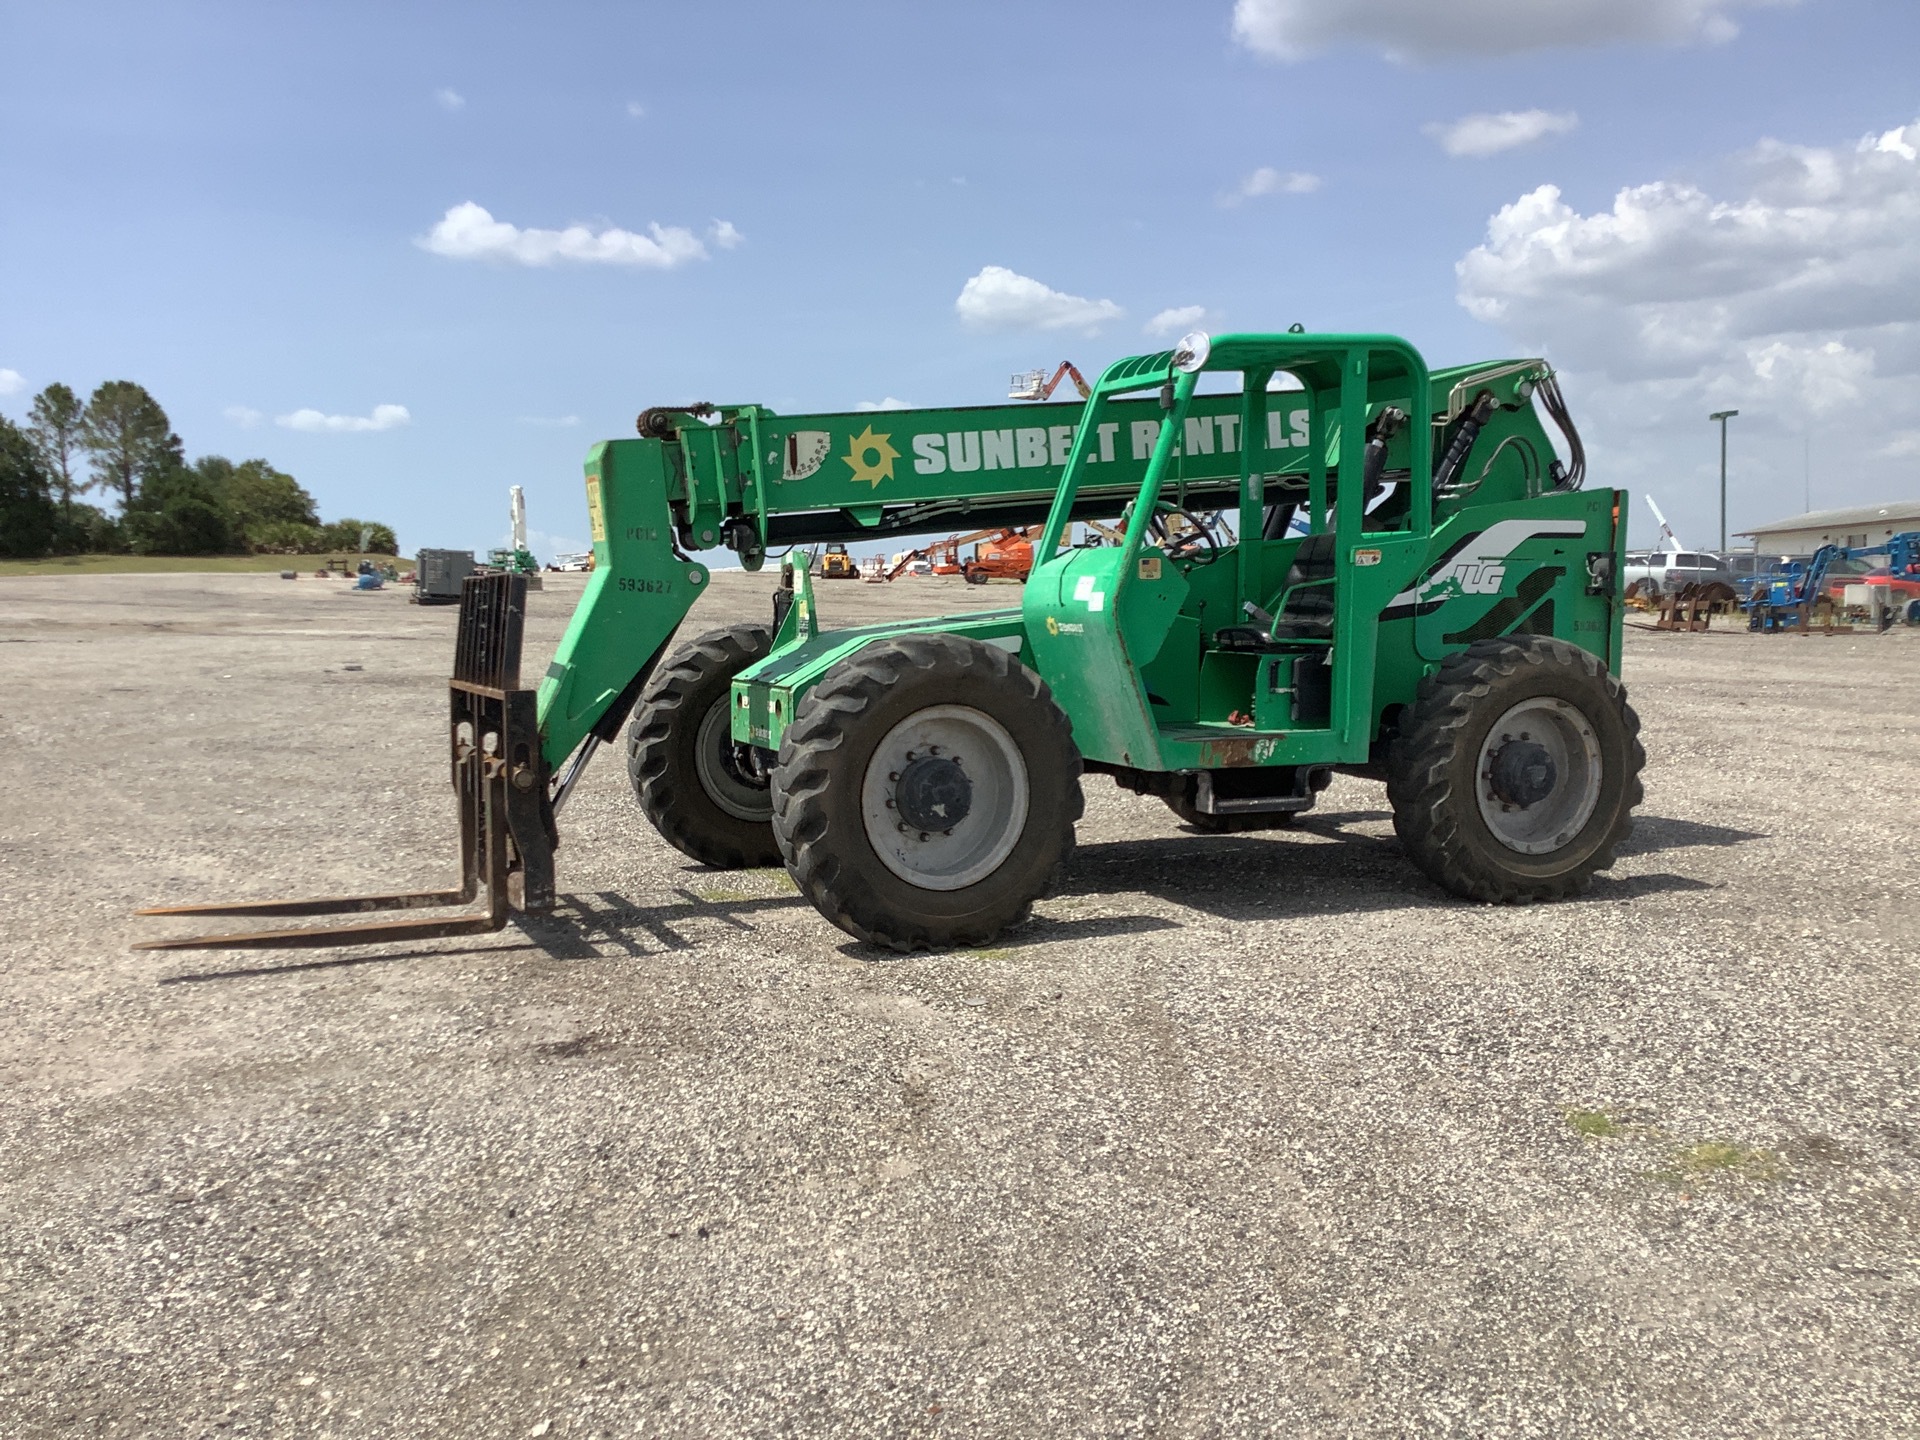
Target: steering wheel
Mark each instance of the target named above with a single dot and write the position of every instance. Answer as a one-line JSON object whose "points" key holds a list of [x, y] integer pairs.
{"points": [[1197, 546]]}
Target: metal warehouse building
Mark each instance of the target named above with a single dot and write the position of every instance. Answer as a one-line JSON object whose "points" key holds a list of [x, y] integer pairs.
{"points": [[1862, 525]]}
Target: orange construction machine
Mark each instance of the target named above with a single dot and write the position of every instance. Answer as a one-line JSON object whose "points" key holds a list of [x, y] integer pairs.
{"points": [[1005, 555]]}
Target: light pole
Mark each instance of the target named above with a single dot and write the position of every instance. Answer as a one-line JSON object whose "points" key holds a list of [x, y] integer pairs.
{"points": [[1723, 416]]}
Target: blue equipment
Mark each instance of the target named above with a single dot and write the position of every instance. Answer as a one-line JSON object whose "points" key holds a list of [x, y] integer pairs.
{"points": [[1784, 599]]}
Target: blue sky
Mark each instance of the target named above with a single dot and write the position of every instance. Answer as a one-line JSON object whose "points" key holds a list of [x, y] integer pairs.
{"points": [[256, 211]]}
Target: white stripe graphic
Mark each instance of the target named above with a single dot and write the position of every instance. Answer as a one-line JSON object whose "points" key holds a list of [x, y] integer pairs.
{"points": [[1489, 548]]}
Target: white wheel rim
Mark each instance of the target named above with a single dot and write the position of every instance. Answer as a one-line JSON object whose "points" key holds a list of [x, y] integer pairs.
{"points": [[1570, 743], [979, 843]]}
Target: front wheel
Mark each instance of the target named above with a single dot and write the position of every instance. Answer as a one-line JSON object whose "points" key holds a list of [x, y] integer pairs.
{"points": [[926, 792], [1515, 774]]}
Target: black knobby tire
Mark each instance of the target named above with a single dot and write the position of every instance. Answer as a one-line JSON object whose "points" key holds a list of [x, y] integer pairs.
{"points": [[834, 749], [1238, 824], [665, 763], [975, 575], [1434, 764]]}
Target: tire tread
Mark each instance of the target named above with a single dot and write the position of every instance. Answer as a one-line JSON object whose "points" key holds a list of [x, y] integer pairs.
{"points": [[1421, 757], [842, 700], [656, 722]]}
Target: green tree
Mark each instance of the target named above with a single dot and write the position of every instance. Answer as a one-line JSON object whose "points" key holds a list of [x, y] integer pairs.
{"points": [[281, 538], [89, 531], [258, 498], [176, 512], [53, 425], [27, 513], [345, 535], [128, 436]]}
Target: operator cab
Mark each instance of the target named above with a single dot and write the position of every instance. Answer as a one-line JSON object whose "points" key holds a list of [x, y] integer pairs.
{"points": [[1267, 630]]}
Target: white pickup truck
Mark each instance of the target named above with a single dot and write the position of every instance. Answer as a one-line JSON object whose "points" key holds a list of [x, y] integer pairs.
{"points": [[1661, 572]]}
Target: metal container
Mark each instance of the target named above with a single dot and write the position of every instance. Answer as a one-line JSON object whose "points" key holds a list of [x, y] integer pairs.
{"points": [[439, 576]]}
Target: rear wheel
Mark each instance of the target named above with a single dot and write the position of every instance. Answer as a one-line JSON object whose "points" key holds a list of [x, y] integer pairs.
{"points": [[927, 792], [975, 575], [1516, 772], [700, 790]]}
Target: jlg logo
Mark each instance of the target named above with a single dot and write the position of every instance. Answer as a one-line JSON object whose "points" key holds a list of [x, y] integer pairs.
{"points": [[1468, 577], [1477, 565]]}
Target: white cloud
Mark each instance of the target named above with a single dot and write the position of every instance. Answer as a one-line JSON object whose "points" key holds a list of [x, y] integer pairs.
{"points": [[635, 110], [1175, 321], [245, 416], [1795, 299], [12, 382], [551, 422], [724, 234], [1825, 241], [999, 299], [1269, 181], [468, 232], [1423, 30], [1903, 444], [384, 417], [887, 404], [449, 99], [1488, 134]]}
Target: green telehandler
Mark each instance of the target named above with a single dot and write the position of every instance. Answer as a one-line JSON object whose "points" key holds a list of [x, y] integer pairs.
{"points": [[1420, 592]]}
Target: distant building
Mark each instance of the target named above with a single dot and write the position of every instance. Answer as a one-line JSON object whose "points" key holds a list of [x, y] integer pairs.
{"points": [[1862, 525]]}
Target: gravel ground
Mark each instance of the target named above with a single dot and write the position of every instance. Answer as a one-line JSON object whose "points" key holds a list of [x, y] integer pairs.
{"points": [[1240, 1136]]}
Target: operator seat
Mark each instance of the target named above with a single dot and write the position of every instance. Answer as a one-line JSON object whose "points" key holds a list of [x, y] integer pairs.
{"points": [[1307, 613]]}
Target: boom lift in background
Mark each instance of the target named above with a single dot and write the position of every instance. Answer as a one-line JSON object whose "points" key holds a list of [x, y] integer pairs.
{"points": [[1034, 385], [1002, 553], [1800, 597], [1669, 542], [1007, 554], [517, 559], [1449, 623]]}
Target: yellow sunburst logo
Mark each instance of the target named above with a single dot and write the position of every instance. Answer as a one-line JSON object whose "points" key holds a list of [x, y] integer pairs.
{"points": [[871, 457]]}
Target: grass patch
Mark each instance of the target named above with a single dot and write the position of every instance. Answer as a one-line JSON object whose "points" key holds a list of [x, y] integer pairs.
{"points": [[186, 564], [1594, 1124], [1686, 1167], [773, 883], [1691, 1166]]}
